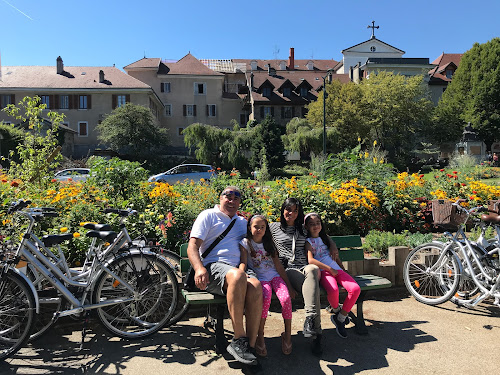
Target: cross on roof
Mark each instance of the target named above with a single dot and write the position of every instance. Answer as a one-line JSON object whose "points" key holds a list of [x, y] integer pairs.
{"points": [[373, 27]]}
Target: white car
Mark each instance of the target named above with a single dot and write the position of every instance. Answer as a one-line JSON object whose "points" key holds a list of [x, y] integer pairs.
{"points": [[73, 174], [184, 172]]}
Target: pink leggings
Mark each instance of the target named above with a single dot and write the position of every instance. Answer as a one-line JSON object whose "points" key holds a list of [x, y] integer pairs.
{"points": [[279, 286], [330, 283]]}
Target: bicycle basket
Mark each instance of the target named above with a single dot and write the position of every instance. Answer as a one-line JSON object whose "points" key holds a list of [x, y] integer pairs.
{"points": [[494, 206], [445, 214]]}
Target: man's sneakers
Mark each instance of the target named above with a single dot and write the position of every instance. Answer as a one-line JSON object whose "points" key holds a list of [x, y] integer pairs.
{"points": [[240, 350], [340, 326], [309, 330]]}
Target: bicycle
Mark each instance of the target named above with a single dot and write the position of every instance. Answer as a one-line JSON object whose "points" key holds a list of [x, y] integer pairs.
{"points": [[433, 273], [133, 292]]}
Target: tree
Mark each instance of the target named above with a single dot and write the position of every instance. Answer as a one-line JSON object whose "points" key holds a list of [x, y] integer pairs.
{"points": [[473, 95], [397, 107], [132, 129], [346, 116], [37, 153], [267, 141]]}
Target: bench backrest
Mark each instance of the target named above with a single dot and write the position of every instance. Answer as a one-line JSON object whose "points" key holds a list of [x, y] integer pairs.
{"points": [[349, 250]]}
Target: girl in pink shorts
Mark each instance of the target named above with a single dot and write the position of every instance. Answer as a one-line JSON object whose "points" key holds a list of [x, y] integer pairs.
{"points": [[258, 248]]}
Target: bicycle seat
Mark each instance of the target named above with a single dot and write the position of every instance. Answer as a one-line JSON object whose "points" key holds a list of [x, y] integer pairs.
{"points": [[98, 227], [491, 218], [108, 236], [55, 239]]}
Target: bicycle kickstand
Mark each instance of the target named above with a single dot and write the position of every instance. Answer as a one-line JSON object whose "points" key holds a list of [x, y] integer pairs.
{"points": [[84, 329]]}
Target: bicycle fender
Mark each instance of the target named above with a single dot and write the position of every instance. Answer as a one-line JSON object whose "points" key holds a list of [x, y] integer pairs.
{"points": [[30, 284]]}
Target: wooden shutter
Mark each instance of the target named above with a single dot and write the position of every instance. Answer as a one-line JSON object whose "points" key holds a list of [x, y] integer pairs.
{"points": [[114, 101], [207, 110], [184, 110], [12, 99], [194, 110], [282, 112], [56, 101], [162, 89], [293, 112], [89, 101], [261, 112], [272, 111], [127, 98]]}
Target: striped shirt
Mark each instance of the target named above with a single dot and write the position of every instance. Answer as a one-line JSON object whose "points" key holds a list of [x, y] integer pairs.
{"points": [[284, 242]]}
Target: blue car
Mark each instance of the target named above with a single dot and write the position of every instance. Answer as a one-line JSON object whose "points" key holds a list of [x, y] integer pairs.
{"points": [[185, 172]]}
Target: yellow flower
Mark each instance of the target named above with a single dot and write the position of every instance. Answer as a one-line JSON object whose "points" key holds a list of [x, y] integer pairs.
{"points": [[64, 230], [374, 143], [76, 235], [347, 212], [359, 139]]}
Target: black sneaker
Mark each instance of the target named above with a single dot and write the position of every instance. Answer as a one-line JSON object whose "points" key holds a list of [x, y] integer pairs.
{"points": [[317, 348], [309, 330], [340, 326], [239, 349]]}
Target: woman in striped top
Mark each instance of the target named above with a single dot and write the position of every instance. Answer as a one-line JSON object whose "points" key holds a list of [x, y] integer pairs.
{"points": [[289, 237]]}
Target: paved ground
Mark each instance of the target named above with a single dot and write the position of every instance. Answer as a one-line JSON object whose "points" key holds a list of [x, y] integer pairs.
{"points": [[404, 337]]}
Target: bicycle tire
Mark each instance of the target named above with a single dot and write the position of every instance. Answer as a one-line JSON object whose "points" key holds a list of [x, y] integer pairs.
{"points": [[155, 296], [49, 301], [182, 305], [17, 309], [431, 274]]}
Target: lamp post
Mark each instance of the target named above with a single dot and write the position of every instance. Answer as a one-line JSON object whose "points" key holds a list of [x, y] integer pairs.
{"points": [[329, 72]]}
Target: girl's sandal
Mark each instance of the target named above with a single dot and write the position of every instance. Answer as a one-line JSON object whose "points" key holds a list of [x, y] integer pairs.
{"points": [[286, 348], [261, 350]]}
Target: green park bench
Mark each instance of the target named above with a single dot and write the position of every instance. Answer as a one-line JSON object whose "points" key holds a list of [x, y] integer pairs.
{"points": [[349, 250]]}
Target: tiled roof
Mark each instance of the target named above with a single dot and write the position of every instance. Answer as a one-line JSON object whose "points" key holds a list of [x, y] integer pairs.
{"points": [[73, 77], [315, 79], [299, 64], [438, 74], [190, 65], [144, 63]]}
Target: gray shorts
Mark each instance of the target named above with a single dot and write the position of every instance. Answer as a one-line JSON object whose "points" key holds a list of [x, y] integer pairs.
{"points": [[217, 272]]}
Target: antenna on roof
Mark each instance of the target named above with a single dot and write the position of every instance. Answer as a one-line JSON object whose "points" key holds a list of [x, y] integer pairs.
{"points": [[144, 54], [276, 52]]}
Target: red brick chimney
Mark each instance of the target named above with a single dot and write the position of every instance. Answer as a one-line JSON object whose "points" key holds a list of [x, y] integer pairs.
{"points": [[291, 60]]}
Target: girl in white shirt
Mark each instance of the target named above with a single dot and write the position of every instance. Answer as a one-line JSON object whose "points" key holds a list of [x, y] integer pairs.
{"points": [[323, 252], [259, 249]]}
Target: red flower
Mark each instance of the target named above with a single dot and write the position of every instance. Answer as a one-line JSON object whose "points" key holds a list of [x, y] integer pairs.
{"points": [[53, 180], [455, 172], [14, 183], [474, 192], [464, 184], [441, 170], [421, 176]]}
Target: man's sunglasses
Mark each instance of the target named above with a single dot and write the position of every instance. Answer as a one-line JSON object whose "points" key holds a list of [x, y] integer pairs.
{"points": [[235, 194]]}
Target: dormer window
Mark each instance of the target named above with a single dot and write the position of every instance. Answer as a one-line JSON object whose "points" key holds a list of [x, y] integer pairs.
{"points": [[303, 91], [373, 49], [449, 73], [282, 65], [287, 92], [310, 65], [266, 91]]}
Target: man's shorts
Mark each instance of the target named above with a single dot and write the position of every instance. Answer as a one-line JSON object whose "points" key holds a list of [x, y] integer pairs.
{"points": [[217, 275]]}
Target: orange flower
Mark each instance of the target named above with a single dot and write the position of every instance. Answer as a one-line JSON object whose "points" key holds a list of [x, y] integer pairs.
{"points": [[14, 183]]}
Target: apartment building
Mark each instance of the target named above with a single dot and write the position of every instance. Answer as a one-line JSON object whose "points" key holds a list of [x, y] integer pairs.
{"points": [[84, 95], [190, 92]]}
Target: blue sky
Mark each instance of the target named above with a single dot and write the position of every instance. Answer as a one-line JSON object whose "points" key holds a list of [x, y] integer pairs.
{"points": [[107, 32]]}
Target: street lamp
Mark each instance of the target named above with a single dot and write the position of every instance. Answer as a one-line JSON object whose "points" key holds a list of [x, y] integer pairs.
{"points": [[329, 73]]}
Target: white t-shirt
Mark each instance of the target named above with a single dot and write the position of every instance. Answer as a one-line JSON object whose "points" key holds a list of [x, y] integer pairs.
{"points": [[262, 264], [209, 225], [321, 252]]}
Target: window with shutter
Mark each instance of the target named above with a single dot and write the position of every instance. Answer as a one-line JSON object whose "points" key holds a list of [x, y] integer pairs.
{"points": [[189, 110], [82, 102], [168, 109], [83, 129], [63, 101], [211, 110]]}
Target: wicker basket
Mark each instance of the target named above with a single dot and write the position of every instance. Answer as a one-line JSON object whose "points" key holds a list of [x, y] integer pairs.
{"points": [[445, 214], [494, 206]]}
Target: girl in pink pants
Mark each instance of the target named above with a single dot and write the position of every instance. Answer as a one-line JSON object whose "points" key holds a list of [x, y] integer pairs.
{"points": [[323, 252], [258, 248]]}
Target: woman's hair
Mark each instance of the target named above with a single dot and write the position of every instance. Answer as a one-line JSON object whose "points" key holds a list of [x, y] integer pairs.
{"points": [[288, 203], [267, 239], [322, 232]]}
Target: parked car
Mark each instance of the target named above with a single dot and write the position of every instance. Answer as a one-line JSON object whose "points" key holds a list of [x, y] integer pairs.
{"points": [[73, 174], [183, 172]]}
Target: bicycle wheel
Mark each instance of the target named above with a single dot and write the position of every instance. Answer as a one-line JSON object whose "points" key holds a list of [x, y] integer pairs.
{"points": [[182, 305], [17, 312], [49, 301], [152, 303], [431, 274]]}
